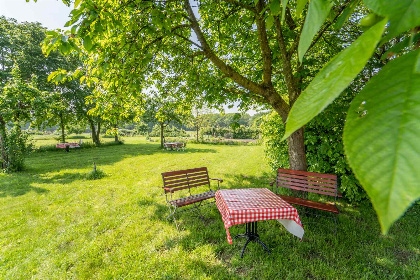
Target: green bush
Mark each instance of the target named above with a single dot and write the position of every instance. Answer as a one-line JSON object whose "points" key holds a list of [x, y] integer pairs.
{"points": [[95, 174], [17, 147]]}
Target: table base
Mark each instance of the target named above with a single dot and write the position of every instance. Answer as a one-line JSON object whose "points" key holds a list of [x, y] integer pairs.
{"points": [[251, 235]]}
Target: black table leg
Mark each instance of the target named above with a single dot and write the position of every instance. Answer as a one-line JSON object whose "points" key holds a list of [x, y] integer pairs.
{"points": [[251, 235]]}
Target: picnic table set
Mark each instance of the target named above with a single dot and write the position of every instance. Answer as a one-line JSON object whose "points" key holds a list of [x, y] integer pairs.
{"points": [[236, 206], [67, 146], [239, 206], [174, 146]]}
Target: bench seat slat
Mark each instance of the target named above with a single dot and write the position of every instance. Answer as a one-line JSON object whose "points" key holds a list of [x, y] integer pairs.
{"points": [[185, 180], [311, 204], [307, 178], [309, 185], [306, 173], [305, 182], [307, 190], [172, 190], [186, 171], [185, 175]]}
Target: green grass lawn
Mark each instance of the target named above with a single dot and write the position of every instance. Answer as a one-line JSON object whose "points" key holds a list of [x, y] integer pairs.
{"points": [[55, 224]]}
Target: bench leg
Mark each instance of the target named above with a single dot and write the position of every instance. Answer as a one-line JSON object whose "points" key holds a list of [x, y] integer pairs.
{"points": [[197, 207], [172, 214]]}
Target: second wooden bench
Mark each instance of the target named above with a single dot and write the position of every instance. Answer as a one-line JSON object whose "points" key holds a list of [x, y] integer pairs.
{"points": [[323, 184]]}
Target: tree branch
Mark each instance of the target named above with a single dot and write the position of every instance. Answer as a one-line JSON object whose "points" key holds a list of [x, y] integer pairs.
{"points": [[287, 66], [258, 98], [265, 48], [226, 69], [269, 93], [186, 39]]}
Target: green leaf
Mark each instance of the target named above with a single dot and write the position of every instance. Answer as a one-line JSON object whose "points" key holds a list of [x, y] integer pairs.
{"points": [[346, 14], [284, 6], [87, 43], [333, 78], [77, 3], [270, 21], [417, 67], [381, 138], [300, 6], [275, 7], [317, 13], [403, 14]]}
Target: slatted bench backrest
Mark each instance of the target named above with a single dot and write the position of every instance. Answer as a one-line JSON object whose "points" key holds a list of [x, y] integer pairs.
{"points": [[307, 181], [183, 179]]}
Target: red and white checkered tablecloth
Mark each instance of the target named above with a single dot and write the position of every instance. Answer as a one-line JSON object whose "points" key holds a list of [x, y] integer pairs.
{"points": [[238, 206]]}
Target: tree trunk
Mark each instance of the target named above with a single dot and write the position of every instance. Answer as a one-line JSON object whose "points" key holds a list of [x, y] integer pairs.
{"points": [[197, 129], [161, 135], [98, 140], [93, 132], [3, 138], [116, 134], [63, 137], [297, 156]]}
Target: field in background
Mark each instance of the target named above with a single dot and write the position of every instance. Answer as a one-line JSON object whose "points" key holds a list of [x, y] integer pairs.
{"points": [[55, 224]]}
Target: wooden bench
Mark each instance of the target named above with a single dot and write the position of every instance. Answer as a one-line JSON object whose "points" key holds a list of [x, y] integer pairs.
{"points": [[323, 184], [191, 186]]}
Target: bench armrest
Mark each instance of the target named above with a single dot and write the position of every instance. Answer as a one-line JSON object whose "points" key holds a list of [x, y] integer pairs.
{"points": [[218, 182]]}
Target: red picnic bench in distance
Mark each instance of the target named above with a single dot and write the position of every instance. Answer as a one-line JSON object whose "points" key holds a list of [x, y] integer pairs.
{"points": [[67, 146]]}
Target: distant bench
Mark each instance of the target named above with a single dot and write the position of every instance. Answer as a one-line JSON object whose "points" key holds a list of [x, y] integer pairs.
{"points": [[67, 146]]}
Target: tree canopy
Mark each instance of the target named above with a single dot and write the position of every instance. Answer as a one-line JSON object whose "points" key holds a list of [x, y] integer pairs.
{"points": [[262, 51]]}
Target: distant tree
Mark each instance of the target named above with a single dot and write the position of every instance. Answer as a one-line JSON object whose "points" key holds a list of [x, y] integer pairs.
{"points": [[199, 118], [16, 108], [165, 111]]}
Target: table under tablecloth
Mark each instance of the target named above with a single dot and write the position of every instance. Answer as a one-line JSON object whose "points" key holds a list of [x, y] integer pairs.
{"points": [[238, 206]]}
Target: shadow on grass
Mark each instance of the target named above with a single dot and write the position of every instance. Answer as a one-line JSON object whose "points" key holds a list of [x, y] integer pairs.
{"points": [[21, 183], [14, 187], [357, 244], [77, 159]]}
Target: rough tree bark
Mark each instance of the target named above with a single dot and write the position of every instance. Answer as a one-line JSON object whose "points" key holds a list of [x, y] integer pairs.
{"points": [[116, 134], [162, 137], [95, 132], [63, 136], [3, 139]]}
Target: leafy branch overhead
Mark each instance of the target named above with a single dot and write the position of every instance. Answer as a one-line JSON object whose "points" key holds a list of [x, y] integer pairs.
{"points": [[295, 57]]}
